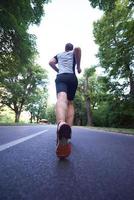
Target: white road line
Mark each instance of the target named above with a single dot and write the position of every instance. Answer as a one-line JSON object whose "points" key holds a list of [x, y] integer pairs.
{"points": [[15, 142]]}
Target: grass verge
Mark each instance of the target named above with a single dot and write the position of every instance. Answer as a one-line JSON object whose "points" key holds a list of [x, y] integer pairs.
{"points": [[17, 124], [117, 130]]}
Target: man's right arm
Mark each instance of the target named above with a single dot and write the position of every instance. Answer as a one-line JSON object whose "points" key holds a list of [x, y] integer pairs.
{"points": [[77, 55], [53, 63]]}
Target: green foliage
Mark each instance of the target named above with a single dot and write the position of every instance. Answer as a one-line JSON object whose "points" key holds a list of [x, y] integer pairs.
{"points": [[50, 114], [109, 99], [87, 96], [109, 109], [103, 4], [15, 18], [108, 5], [80, 109], [6, 115], [37, 104], [115, 113], [17, 87], [114, 35], [95, 86], [21, 12], [20, 78]]}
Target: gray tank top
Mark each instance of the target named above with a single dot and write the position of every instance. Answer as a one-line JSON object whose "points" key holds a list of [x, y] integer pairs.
{"points": [[66, 62]]}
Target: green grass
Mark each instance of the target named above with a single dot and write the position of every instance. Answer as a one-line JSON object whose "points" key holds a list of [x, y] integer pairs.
{"points": [[117, 130], [16, 124]]}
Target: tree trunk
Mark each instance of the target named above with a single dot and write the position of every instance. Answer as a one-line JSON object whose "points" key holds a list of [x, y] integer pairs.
{"points": [[17, 110], [89, 113], [31, 118], [17, 116], [131, 78], [88, 104], [37, 121]]}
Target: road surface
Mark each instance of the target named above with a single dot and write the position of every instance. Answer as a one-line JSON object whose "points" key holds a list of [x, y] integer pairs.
{"points": [[101, 166]]}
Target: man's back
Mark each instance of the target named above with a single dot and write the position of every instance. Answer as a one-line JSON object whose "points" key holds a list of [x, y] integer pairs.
{"points": [[66, 62]]}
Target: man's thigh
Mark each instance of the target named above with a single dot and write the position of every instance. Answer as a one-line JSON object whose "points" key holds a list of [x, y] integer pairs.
{"points": [[61, 87]]}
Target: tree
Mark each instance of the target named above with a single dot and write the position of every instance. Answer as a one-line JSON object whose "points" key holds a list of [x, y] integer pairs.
{"points": [[114, 35], [87, 93], [50, 115], [87, 87], [79, 103], [17, 87], [93, 102], [15, 18], [107, 5], [37, 104]]}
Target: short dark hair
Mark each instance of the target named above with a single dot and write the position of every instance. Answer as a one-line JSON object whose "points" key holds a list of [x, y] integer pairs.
{"points": [[69, 47]]}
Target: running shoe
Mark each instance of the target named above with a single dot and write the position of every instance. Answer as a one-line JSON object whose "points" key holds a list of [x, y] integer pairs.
{"points": [[63, 149]]}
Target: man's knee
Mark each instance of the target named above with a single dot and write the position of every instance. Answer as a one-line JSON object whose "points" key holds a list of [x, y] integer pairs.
{"points": [[70, 103], [62, 96]]}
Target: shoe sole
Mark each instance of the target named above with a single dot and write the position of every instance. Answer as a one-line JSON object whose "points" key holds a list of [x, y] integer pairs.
{"points": [[64, 147]]}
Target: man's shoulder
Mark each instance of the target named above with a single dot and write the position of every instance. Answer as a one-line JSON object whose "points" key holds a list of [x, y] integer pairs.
{"points": [[65, 54], [59, 54]]}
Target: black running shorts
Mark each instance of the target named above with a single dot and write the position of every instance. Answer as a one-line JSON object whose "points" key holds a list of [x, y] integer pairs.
{"points": [[67, 83]]}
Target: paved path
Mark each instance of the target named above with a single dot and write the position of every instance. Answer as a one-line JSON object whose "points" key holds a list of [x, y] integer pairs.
{"points": [[101, 166]]}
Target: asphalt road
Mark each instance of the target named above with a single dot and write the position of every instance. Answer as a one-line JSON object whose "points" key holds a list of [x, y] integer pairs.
{"points": [[101, 166]]}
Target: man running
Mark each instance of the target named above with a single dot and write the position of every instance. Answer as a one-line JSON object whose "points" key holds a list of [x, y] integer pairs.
{"points": [[66, 85]]}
